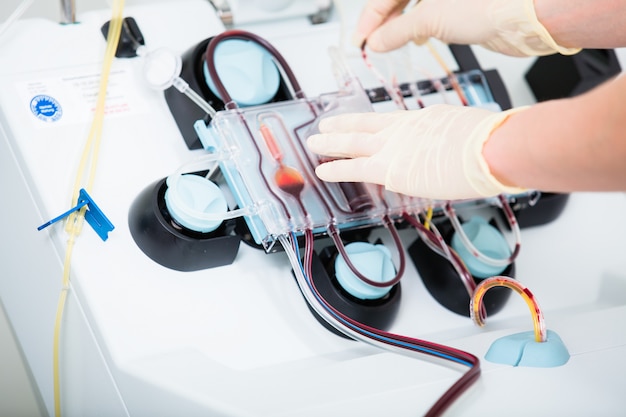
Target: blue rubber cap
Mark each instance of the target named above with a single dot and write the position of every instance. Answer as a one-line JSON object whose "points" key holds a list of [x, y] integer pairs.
{"points": [[521, 349], [373, 261], [488, 240], [247, 71], [196, 194]]}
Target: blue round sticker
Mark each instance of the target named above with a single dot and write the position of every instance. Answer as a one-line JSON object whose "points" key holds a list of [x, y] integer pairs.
{"points": [[46, 108]]}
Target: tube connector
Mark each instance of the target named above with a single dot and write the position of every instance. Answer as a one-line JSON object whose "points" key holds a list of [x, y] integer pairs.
{"points": [[68, 12]]}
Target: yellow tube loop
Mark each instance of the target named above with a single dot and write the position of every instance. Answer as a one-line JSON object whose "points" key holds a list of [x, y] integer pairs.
{"points": [[502, 281]]}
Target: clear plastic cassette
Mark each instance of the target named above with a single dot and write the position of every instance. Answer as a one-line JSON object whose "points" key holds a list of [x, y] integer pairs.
{"points": [[271, 174]]}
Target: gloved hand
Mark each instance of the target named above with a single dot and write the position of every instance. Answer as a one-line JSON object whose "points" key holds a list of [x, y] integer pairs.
{"points": [[510, 27], [434, 152]]}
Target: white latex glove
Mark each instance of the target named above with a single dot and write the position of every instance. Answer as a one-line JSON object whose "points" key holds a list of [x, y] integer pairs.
{"points": [[510, 27], [434, 152]]}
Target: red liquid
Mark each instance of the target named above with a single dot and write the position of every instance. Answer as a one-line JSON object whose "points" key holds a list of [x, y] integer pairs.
{"points": [[289, 180], [270, 141]]}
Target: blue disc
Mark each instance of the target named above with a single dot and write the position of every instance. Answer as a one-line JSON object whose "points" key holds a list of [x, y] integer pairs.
{"points": [[193, 196], [488, 240], [246, 70], [373, 261]]}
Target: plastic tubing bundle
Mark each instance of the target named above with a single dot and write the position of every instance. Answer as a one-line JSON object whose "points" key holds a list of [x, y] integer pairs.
{"points": [[376, 337]]}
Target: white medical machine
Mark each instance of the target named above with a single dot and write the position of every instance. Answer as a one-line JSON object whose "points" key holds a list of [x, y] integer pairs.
{"points": [[215, 275]]}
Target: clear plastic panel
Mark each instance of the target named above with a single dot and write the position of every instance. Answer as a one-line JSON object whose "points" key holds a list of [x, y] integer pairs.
{"points": [[270, 171]]}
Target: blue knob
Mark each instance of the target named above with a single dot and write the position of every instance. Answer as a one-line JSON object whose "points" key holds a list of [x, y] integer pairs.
{"points": [[488, 240], [373, 261], [246, 70], [194, 194]]}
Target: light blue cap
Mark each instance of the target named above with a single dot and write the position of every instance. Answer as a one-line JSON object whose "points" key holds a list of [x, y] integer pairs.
{"points": [[488, 240], [194, 193], [247, 71], [373, 261], [521, 349]]}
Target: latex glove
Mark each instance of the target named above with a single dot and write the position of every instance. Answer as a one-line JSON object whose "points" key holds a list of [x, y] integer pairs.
{"points": [[510, 27], [433, 153]]}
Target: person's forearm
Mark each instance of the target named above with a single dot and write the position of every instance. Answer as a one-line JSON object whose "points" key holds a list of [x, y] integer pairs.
{"points": [[584, 23], [564, 145]]}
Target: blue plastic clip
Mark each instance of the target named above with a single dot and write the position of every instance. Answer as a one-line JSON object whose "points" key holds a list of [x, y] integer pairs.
{"points": [[94, 216]]}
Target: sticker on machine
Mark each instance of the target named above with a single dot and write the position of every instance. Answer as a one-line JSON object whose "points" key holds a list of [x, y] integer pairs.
{"points": [[46, 108], [72, 98]]}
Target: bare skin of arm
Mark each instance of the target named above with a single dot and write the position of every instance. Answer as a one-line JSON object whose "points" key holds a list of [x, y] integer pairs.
{"points": [[576, 144], [583, 23]]}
